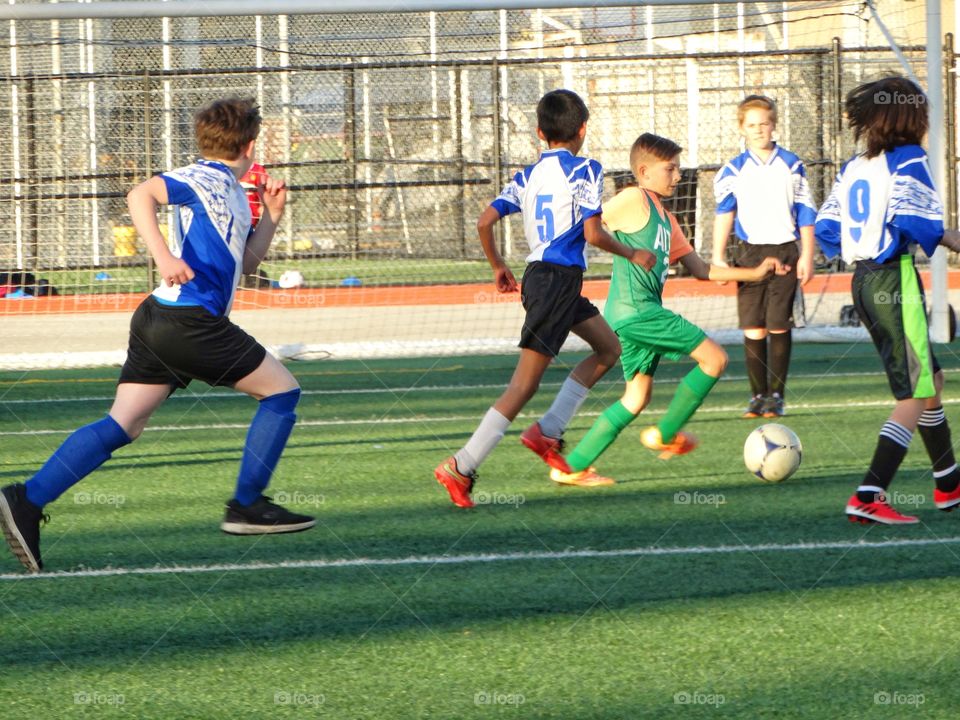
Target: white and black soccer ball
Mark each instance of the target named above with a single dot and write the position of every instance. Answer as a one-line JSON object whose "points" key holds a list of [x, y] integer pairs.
{"points": [[772, 452]]}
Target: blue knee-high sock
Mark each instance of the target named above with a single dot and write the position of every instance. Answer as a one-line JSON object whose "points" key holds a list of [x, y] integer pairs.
{"points": [[266, 439], [79, 455]]}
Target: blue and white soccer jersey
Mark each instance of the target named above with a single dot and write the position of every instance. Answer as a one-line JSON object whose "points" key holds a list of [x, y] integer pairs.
{"points": [[213, 226], [880, 206], [555, 194], [771, 199]]}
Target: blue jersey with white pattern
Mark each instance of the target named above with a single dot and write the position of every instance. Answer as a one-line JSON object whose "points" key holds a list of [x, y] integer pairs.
{"points": [[879, 207], [555, 194], [213, 224], [771, 198]]}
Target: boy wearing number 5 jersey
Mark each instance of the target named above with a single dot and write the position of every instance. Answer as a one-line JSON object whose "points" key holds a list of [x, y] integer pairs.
{"points": [[882, 206], [559, 197]]}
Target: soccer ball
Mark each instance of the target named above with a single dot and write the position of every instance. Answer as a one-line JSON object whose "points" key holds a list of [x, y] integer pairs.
{"points": [[772, 452], [291, 279]]}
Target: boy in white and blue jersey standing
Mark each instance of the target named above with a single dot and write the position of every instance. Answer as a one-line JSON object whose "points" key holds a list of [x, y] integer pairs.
{"points": [[882, 206], [559, 197], [181, 332], [763, 193]]}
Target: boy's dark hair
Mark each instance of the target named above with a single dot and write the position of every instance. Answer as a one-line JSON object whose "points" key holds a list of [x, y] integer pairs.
{"points": [[560, 114], [761, 102], [887, 113], [649, 146], [225, 127]]}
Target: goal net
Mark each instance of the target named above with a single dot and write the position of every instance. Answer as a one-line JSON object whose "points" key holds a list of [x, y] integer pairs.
{"points": [[394, 131]]}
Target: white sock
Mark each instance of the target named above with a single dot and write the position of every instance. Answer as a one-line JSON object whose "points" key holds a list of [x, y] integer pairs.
{"points": [[482, 442], [565, 406]]}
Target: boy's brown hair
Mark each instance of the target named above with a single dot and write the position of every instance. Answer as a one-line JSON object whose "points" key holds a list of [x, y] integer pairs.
{"points": [[650, 148], [225, 127], [888, 113], [761, 102]]}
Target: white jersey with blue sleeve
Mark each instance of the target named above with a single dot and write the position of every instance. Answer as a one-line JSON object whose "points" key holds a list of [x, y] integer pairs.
{"points": [[881, 206], [555, 194], [771, 198], [213, 224]]}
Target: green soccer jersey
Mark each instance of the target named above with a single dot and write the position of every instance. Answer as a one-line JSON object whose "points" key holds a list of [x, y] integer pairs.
{"points": [[631, 284]]}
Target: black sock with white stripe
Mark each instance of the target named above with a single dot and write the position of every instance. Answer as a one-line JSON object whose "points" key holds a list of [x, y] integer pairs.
{"points": [[935, 432], [891, 449]]}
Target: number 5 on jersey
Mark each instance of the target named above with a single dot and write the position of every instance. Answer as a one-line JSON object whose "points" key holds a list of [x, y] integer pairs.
{"points": [[544, 217]]}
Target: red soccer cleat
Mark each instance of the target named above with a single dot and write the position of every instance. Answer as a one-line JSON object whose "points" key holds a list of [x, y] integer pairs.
{"points": [[583, 478], [878, 511], [456, 483], [682, 443], [946, 501], [548, 448]]}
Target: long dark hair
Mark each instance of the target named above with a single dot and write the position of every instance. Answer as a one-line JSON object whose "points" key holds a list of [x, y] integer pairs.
{"points": [[888, 113]]}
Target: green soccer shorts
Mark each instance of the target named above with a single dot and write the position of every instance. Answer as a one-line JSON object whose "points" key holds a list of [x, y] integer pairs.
{"points": [[653, 332]]}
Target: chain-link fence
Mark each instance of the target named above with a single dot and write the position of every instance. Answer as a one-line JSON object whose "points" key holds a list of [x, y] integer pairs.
{"points": [[389, 161]]}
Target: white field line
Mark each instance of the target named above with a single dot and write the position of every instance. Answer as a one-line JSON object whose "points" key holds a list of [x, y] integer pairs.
{"points": [[482, 558], [426, 420], [400, 390]]}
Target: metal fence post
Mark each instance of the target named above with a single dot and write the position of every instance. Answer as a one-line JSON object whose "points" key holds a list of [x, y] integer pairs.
{"points": [[350, 150], [836, 115], [497, 160], [33, 202], [950, 99], [148, 160], [458, 139]]}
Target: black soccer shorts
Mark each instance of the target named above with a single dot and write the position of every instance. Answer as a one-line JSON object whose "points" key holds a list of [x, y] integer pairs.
{"points": [[172, 345], [767, 303], [551, 296]]}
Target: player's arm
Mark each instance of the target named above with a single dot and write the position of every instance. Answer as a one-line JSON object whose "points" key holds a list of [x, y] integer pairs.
{"points": [[502, 276], [951, 240], [805, 261], [722, 226], [701, 270], [143, 202], [599, 238], [273, 196]]}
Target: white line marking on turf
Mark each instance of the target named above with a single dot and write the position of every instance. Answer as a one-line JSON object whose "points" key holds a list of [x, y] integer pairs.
{"points": [[402, 390], [426, 420], [482, 558]]}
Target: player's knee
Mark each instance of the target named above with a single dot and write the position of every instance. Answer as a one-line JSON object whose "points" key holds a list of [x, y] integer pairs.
{"points": [[609, 353], [284, 403], [938, 381], [715, 361]]}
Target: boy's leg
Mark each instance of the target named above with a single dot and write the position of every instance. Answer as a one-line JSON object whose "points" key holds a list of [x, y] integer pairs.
{"points": [[81, 453], [755, 359], [935, 432], [612, 422], [693, 389], [781, 293], [606, 349], [249, 512]]}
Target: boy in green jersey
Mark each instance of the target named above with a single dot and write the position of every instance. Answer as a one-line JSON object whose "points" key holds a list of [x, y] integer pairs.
{"points": [[647, 330]]}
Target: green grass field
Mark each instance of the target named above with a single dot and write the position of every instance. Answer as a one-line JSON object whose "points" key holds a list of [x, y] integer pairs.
{"points": [[705, 593]]}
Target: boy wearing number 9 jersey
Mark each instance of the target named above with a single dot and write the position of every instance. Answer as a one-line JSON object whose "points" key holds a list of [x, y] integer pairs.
{"points": [[883, 204], [559, 197]]}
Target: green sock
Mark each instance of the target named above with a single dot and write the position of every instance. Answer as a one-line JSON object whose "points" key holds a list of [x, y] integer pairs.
{"points": [[604, 431], [694, 387]]}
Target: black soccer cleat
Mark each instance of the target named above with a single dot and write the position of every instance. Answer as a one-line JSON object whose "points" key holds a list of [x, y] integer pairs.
{"points": [[755, 407], [20, 520], [263, 517], [774, 407]]}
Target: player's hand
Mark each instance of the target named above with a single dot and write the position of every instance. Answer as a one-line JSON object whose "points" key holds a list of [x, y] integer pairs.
{"points": [[273, 195], [805, 269], [720, 263], [644, 258], [504, 280], [174, 271], [771, 265]]}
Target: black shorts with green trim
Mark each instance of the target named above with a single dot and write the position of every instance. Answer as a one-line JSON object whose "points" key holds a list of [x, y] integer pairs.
{"points": [[890, 301], [172, 345], [551, 297]]}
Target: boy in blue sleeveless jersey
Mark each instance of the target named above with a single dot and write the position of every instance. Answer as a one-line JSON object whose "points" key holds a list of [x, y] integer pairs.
{"points": [[559, 197], [763, 192], [181, 332], [883, 204]]}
